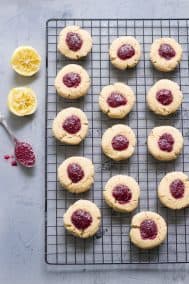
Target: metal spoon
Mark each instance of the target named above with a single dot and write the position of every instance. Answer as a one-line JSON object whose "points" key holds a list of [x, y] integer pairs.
{"points": [[23, 151]]}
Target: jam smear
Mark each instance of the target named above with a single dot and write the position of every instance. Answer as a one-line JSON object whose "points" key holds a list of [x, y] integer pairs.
{"points": [[116, 99], [7, 157], [148, 229], [75, 172], [14, 163], [72, 80], [120, 142], [72, 124], [165, 97], [122, 193], [24, 154], [166, 51], [166, 142], [177, 188], [125, 51], [81, 219], [74, 41]]}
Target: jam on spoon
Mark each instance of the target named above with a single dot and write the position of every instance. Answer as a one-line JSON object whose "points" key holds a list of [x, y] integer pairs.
{"points": [[24, 153]]}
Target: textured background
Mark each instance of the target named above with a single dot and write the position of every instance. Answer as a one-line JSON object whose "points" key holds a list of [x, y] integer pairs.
{"points": [[22, 192]]}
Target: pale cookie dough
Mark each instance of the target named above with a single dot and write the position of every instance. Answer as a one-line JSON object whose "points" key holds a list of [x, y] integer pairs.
{"points": [[122, 193], [169, 139], [82, 219], [72, 82], [74, 42], [148, 230], [70, 126], [125, 52], [171, 50], [173, 190], [116, 100], [118, 142], [164, 97], [76, 174]]}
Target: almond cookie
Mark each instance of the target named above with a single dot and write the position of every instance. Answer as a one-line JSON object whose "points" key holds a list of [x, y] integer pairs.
{"points": [[116, 100], [118, 142], [125, 52], [76, 174], [148, 230], [82, 219], [74, 42], [122, 192], [165, 143], [72, 82], [164, 97], [70, 126], [173, 190], [165, 54]]}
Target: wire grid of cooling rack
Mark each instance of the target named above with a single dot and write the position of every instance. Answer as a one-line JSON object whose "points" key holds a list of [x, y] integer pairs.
{"points": [[111, 245]]}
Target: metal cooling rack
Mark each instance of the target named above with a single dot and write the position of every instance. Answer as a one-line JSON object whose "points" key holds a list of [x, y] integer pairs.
{"points": [[111, 245]]}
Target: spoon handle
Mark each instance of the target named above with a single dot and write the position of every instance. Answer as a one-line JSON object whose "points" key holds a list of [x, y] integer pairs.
{"points": [[5, 125]]}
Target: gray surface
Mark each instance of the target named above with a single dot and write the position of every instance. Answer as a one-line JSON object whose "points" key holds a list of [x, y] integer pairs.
{"points": [[22, 192]]}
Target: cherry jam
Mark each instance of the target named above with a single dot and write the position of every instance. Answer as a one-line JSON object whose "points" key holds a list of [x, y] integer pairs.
{"points": [[120, 142], [116, 99], [122, 193], [148, 229], [74, 41], [125, 51], [71, 80], [81, 219], [72, 124]]}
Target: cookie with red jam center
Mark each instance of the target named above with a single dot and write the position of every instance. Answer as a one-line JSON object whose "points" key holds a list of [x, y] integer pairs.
{"points": [[122, 193], [148, 230], [125, 52], [76, 174], [173, 190], [74, 42], [116, 100], [165, 54], [118, 142], [165, 143], [82, 219], [70, 126], [164, 97], [72, 82]]}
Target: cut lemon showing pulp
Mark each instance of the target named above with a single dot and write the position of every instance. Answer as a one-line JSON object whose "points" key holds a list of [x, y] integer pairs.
{"points": [[22, 101], [26, 61]]}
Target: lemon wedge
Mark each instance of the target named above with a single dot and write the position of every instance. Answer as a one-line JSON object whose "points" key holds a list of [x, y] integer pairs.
{"points": [[22, 101], [26, 61]]}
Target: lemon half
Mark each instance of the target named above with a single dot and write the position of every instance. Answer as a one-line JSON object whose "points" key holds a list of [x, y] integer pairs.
{"points": [[26, 61], [22, 101]]}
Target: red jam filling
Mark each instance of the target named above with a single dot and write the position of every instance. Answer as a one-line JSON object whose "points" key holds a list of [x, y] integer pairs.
{"points": [[75, 172], [24, 154], [125, 51], [14, 163], [6, 157], [166, 142], [166, 51], [148, 229], [177, 188], [116, 99], [74, 41], [122, 193], [164, 97], [81, 219], [72, 124], [120, 143], [71, 80]]}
